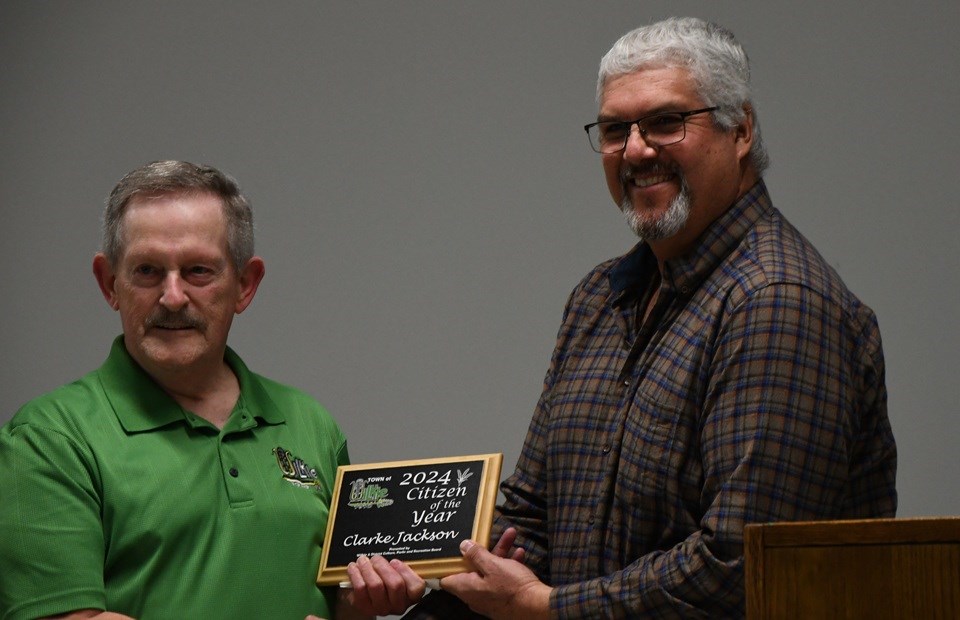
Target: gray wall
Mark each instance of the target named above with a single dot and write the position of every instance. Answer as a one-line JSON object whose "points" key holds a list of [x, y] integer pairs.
{"points": [[426, 198]]}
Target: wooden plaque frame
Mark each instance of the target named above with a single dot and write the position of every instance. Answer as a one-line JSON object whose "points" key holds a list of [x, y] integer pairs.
{"points": [[399, 509]]}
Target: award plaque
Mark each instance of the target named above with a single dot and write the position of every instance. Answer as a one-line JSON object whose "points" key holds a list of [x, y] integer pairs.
{"points": [[415, 511]]}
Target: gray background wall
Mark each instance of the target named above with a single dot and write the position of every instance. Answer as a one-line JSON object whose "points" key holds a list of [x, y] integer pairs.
{"points": [[426, 199]]}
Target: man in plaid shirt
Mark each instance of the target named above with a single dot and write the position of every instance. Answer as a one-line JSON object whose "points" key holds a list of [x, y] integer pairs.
{"points": [[719, 373]]}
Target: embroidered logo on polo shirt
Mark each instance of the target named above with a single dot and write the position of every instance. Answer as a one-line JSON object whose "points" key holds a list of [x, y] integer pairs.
{"points": [[295, 470]]}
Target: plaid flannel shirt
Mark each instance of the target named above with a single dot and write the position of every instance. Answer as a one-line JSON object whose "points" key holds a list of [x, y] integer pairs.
{"points": [[753, 392]]}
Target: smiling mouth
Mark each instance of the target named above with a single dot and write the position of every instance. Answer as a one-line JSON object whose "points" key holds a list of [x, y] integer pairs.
{"points": [[647, 181]]}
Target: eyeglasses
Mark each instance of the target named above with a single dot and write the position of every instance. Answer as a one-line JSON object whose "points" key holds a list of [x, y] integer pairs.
{"points": [[660, 129]]}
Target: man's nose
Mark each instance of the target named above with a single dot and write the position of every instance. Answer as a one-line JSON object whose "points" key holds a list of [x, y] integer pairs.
{"points": [[174, 296], [637, 147]]}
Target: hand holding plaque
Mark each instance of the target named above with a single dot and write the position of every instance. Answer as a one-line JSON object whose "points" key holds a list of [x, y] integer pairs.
{"points": [[415, 511]]}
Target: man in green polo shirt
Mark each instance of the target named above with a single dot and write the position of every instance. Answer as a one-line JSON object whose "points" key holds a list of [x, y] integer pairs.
{"points": [[172, 482]]}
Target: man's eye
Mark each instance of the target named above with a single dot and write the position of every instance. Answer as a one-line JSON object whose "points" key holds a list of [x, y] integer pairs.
{"points": [[664, 122], [145, 270], [200, 273], [613, 131]]}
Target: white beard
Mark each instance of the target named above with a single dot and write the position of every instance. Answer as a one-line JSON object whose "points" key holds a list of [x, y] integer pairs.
{"points": [[667, 225]]}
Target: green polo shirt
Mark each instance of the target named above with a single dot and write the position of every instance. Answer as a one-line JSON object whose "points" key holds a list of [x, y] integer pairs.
{"points": [[114, 497]]}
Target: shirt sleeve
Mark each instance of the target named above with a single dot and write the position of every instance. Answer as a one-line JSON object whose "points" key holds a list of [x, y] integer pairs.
{"points": [[784, 411], [52, 547], [525, 492], [525, 504]]}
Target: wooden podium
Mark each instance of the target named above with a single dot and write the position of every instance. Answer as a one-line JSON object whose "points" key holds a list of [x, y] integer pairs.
{"points": [[876, 569]]}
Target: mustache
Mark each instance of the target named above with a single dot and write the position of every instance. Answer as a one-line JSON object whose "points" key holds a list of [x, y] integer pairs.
{"points": [[630, 171], [181, 319]]}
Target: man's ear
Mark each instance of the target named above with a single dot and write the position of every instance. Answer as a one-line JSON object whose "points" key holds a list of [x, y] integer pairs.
{"points": [[106, 278], [744, 133], [250, 278]]}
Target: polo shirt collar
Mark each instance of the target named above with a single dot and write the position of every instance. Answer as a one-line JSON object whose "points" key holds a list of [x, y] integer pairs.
{"points": [[686, 273], [253, 396], [142, 405]]}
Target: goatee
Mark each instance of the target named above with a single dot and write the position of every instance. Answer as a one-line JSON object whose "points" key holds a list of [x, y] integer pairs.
{"points": [[656, 228]]}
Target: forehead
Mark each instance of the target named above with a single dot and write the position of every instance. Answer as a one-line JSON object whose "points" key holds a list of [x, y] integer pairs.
{"points": [[175, 219], [648, 90]]}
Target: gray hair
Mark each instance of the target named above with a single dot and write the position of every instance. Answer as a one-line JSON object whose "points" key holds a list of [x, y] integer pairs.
{"points": [[173, 177], [716, 61]]}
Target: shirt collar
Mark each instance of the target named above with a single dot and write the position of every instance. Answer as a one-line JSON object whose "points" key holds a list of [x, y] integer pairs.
{"points": [[685, 273], [142, 405], [629, 274]]}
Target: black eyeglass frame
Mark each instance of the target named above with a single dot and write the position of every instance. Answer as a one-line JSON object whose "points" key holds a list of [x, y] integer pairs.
{"points": [[643, 131]]}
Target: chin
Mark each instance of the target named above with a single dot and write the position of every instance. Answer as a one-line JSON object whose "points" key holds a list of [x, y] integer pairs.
{"points": [[662, 223]]}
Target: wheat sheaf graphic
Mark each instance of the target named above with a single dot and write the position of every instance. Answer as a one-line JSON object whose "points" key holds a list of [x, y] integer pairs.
{"points": [[462, 476]]}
